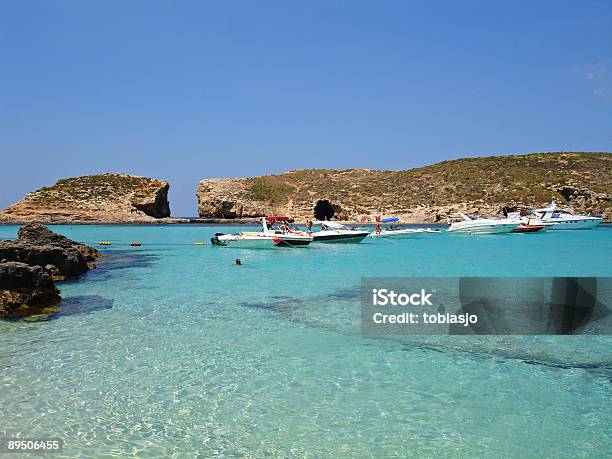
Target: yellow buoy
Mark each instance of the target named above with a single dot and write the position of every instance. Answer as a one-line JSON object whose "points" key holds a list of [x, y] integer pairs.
{"points": [[105, 243], [198, 243]]}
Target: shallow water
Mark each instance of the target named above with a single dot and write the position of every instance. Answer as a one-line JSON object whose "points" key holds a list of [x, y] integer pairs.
{"points": [[169, 349]]}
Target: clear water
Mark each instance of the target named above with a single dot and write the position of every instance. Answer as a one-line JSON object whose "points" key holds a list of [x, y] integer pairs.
{"points": [[171, 350]]}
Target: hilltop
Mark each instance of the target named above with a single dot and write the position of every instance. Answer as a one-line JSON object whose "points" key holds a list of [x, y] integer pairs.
{"points": [[103, 198], [581, 181]]}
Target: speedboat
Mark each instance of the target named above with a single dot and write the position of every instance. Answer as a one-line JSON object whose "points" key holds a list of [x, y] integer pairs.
{"points": [[529, 224], [336, 232], [394, 231], [401, 233], [528, 228], [483, 225], [555, 219], [276, 232]]}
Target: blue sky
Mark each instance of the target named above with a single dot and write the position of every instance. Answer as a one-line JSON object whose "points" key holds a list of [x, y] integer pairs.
{"points": [[184, 90]]}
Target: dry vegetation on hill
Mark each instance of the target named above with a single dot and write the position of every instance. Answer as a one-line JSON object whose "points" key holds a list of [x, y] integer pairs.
{"points": [[428, 193], [94, 198]]}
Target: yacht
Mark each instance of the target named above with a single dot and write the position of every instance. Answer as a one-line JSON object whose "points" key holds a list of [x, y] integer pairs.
{"points": [[483, 225], [276, 232], [555, 219], [336, 232]]}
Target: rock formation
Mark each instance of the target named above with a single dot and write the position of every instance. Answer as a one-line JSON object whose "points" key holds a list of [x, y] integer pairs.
{"points": [[579, 181], [231, 198], [38, 246], [24, 289], [584, 200], [104, 198], [30, 265]]}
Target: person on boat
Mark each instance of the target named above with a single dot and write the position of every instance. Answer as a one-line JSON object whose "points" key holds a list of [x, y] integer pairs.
{"points": [[309, 226], [378, 229]]}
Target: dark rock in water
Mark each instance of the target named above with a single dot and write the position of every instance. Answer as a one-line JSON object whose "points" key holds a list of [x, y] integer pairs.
{"points": [[38, 234], [25, 289], [32, 262], [38, 246]]}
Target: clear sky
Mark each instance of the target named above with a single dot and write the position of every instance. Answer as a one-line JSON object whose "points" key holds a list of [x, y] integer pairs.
{"points": [[184, 90]]}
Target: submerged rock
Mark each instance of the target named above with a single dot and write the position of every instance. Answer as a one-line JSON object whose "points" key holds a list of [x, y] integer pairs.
{"points": [[36, 245], [24, 289]]}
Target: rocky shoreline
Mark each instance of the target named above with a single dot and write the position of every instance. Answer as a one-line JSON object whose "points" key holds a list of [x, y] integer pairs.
{"points": [[31, 264]]}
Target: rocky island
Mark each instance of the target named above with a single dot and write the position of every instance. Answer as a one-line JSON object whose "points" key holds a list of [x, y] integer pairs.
{"points": [[486, 185], [103, 198], [30, 265]]}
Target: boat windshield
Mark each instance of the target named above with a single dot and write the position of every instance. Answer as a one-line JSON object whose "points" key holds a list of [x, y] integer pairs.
{"points": [[332, 226]]}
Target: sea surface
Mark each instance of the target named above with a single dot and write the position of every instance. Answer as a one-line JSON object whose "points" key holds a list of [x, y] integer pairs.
{"points": [[171, 350]]}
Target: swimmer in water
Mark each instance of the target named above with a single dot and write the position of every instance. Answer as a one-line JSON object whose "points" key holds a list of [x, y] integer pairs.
{"points": [[238, 262]]}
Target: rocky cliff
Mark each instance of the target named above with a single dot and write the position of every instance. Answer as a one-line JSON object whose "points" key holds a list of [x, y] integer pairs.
{"points": [[104, 198], [580, 181]]}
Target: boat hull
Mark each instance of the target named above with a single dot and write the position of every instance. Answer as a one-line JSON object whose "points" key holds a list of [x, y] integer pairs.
{"points": [[501, 228], [290, 242], [528, 228], [573, 224], [403, 234], [338, 237]]}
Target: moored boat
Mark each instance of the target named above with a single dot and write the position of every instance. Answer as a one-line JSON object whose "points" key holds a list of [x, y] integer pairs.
{"points": [[336, 232], [483, 225], [276, 232], [555, 219], [397, 232]]}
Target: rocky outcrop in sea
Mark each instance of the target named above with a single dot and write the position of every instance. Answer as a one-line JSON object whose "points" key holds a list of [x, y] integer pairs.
{"points": [[30, 265], [24, 289], [36, 245], [104, 198]]}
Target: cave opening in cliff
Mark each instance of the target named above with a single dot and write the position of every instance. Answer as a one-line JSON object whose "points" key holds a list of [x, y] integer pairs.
{"points": [[324, 210]]}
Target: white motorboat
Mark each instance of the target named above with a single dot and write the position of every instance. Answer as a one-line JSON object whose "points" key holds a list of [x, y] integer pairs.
{"points": [[397, 232], [483, 225], [402, 233], [529, 223], [336, 232], [555, 219], [276, 232]]}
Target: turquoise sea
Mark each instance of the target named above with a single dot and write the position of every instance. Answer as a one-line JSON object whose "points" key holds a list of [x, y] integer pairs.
{"points": [[170, 350]]}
